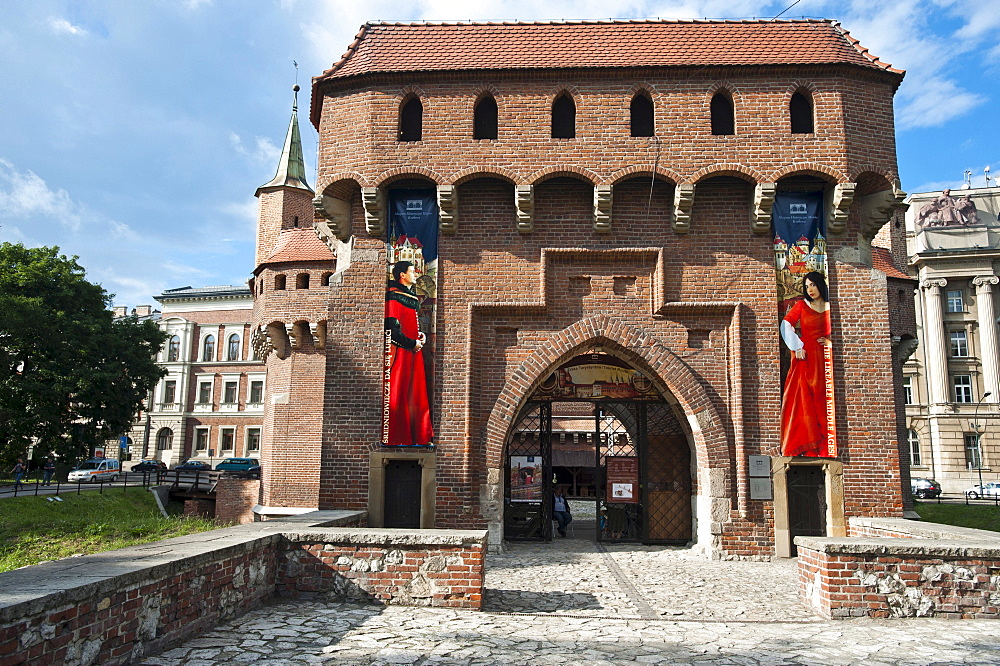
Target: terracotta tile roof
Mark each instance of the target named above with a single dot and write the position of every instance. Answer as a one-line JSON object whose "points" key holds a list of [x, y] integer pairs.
{"points": [[882, 260], [407, 47], [300, 244]]}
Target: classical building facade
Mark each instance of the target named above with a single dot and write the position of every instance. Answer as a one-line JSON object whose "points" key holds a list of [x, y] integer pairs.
{"points": [[209, 405], [952, 382], [598, 301]]}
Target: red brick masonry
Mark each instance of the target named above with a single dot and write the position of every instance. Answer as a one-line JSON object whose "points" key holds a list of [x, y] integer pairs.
{"points": [[935, 570], [159, 594]]}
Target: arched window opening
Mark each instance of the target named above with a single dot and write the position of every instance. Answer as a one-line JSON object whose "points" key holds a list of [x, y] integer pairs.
{"points": [[723, 117], [279, 282], [208, 348], [484, 122], [302, 281], [325, 281], [233, 348], [174, 348], [165, 439], [564, 118], [411, 120], [641, 115], [800, 109]]}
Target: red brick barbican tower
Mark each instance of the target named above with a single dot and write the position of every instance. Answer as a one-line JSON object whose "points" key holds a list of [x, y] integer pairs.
{"points": [[601, 289]]}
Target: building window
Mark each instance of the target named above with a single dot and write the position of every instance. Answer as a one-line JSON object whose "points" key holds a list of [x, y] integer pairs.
{"points": [[484, 119], [913, 439], [723, 116], [173, 348], [302, 281], [253, 439], [411, 120], [229, 392], [169, 392], [227, 437], [956, 300], [641, 115], [325, 280], [208, 348], [564, 118], [201, 439], [963, 388], [279, 282], [256, 392], [908, 390], [972, 458], [800, 109], [233, 348], [165, 439], [204, 393], [959, 344]]}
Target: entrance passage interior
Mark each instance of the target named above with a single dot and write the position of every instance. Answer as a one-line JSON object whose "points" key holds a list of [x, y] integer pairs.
{"points": [[617, 450], [402, 493]]}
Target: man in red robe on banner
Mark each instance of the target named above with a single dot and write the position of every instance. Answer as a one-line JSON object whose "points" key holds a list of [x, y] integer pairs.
{"points": [[409, 412]]}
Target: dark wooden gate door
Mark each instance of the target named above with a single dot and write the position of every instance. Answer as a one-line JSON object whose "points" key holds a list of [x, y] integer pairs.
{"points": [[806, 502], [402, 493]]}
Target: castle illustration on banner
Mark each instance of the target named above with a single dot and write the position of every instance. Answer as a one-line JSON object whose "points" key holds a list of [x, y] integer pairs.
{"points": [[793, 261]]}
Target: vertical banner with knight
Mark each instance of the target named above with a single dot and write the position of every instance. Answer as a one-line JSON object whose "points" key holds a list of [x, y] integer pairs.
{"points": [[808, 423], [410, 299]]}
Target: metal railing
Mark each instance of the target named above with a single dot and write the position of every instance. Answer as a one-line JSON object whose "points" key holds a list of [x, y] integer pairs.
{"points": [[195, 481]]}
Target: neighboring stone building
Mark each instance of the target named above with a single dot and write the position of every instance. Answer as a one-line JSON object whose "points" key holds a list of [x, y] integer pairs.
{"points": [[603, 193], [209, 406], [952, 382]]}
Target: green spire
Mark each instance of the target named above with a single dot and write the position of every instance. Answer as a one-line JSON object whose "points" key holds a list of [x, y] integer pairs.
{"points": [[291, 167]]}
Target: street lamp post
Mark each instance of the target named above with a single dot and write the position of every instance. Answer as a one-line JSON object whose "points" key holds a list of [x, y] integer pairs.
{"points": [[979, 440]]}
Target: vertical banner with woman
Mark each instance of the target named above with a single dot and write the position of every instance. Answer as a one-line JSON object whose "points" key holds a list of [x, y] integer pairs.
{"points": [[410, 298], [807, 397]]}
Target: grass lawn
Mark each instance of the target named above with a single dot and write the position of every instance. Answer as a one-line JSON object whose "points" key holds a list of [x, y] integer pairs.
{"points": [[981, 517], [34, 530]]}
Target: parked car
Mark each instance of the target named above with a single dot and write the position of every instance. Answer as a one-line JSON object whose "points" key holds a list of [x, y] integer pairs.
{"points": [[94, 470], [194, 466], [249, 466], [924, 488], [991, 489], [149, 466]]}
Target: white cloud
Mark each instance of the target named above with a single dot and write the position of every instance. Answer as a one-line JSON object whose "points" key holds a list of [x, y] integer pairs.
{"points": [[61, 26], [23, 194], [264, 151], [194, 5]]}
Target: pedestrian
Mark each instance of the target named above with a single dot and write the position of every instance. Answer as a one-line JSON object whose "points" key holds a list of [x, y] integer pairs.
{"points": [[560, 510], [20, 469], [48, 470]]}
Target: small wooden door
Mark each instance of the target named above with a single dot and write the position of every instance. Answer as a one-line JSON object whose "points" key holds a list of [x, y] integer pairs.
{"points": [[806, 502], [402, 493]]}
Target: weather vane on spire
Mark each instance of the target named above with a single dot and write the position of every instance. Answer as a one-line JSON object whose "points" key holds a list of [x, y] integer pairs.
{"points": [[295, 88]]}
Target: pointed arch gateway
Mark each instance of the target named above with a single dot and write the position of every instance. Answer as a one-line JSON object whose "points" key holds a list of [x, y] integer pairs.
{"points": [[602, 421]]}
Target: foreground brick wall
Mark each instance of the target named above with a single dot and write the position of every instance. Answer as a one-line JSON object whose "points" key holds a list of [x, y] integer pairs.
{"points": [[235, 499]]}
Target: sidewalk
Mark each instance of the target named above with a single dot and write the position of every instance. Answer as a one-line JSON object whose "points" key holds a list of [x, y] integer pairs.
{"points": [[576, 602]]}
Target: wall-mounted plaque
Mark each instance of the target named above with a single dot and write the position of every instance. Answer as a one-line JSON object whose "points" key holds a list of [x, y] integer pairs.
{"points": [[760, 489], [760, 466]]}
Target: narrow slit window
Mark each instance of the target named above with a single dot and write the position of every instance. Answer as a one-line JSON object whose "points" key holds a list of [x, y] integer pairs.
{"points": [[800, 110], [411, 120], [485, 119], [723, 117], [564, 118], [279, 282], [641, 116]]}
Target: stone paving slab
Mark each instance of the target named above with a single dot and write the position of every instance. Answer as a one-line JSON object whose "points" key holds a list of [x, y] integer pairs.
{"points": [[576, 602]]}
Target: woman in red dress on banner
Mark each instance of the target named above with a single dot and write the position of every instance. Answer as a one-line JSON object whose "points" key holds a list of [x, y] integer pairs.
{"points": [[804, 428], [409, 412]]}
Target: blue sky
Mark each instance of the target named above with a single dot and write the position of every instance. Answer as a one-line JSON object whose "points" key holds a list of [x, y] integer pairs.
{"points": [[135, 133]]}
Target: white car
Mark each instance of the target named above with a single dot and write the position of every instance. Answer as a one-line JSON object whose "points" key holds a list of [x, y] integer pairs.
{"points": [[991, 489], [94, 470]]}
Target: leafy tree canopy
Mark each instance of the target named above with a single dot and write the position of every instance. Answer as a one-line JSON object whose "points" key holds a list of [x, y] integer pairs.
{"points": [[71, 375]]}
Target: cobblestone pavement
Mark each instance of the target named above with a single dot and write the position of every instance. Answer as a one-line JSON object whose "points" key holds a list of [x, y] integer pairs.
{"points": [[576, 602]]}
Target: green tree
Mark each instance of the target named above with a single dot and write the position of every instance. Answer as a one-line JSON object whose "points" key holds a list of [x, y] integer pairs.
{"points": [[71, 375]]}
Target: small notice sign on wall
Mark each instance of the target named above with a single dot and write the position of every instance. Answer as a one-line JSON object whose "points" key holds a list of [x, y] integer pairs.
{"points": [[760, 489], [760, 466], [623, 478]]}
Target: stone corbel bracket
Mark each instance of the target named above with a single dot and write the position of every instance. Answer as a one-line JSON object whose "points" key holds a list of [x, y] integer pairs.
{"points": [[683, 203], [335, 218], [318, 331], [763, 202], [838, 207], [292, 338], [524, 201], [879, 208], [602, 208], [261, 343], [373, 199], [447, 196], [903, 348]]}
